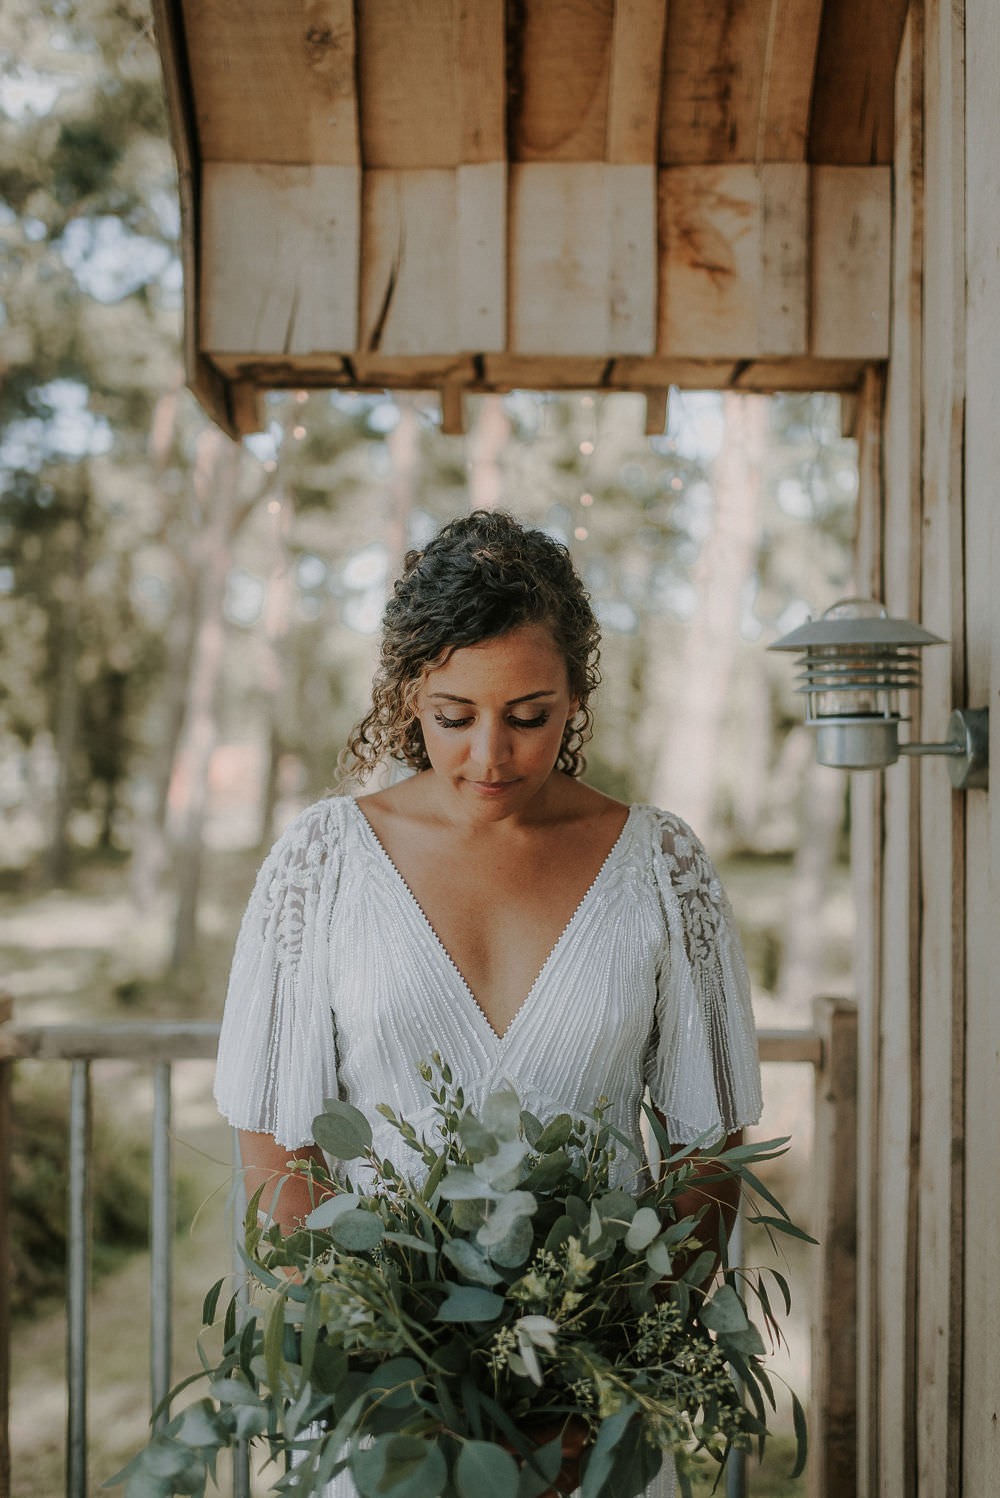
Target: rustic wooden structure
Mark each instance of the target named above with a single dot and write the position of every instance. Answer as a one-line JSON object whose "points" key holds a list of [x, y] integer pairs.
{"points": [[482, 194], [926, 859], [625, 194]]}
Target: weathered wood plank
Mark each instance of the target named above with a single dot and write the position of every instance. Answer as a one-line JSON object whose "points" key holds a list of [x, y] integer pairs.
{"points": [[482, 257], [834, 1413], [852, 110], [559, 54], [734, 258], [409, 264], [201, 376], [714, 63], [274, 80], [867, 880], [582, 274], [482, 80], [280, 248], [981, 1376], [938, 1403], [787, 81], [143, 1040], [634, 87], [851, 261], [410, 95]]}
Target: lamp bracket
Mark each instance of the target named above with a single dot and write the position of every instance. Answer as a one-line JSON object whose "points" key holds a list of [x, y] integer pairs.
{"points": [[967, 748]]}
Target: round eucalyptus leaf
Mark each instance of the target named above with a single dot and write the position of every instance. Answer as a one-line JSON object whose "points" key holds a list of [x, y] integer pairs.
{"points": [[470, 1263], [484, 1468], [724, 1312], [470, 1303], [342, 1130], [395, 1382], [515, 1246], [642, 1230], [658, 1258], [357, 1231]]}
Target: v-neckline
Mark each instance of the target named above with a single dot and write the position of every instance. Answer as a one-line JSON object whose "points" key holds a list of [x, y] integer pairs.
{"points": [[499, 1037]]}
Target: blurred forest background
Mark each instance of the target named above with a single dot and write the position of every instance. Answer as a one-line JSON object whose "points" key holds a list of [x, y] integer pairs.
{"points": [[188, 626]]}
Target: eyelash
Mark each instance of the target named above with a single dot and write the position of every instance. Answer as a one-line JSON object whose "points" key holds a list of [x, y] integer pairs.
{"points": [[538, 722]]}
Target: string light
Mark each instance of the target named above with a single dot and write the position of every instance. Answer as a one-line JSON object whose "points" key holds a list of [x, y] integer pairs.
{"points": [[586, 499], [301, 396], [676, 483], [581, 533], [298, 432], [586, 448], [273, 506], [270, 465]]}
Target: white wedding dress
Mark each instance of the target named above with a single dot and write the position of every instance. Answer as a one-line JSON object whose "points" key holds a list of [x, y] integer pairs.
{"points": [[339, 987]]}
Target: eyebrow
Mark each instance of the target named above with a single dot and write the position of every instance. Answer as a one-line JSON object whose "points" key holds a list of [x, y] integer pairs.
{"points": [[511, 701]]}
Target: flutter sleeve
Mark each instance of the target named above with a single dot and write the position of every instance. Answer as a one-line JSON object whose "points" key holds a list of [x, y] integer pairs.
{"points": [[702, 1068], [277, 1056]]}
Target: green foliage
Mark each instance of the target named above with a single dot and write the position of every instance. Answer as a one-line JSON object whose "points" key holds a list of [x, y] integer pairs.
{"points": [[119, 1164], [371, 1341]]}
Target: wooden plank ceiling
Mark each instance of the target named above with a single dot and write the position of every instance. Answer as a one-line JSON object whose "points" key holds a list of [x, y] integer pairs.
{"points": [[482, 194]]}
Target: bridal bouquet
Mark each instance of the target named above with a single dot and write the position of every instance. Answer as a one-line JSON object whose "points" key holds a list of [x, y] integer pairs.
{"points": [[506, 1320]]}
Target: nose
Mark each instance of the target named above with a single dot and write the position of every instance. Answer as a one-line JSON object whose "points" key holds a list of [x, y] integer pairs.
{"points": [[491, 745]]}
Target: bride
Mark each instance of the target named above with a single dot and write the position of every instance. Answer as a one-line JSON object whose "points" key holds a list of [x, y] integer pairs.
{"points": [[491, 906]]}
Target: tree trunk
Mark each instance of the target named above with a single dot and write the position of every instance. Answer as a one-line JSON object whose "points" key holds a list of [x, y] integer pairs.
{"points": [[486, 443], [216, 478], [277, 613], [67, 703], [686, 774]]}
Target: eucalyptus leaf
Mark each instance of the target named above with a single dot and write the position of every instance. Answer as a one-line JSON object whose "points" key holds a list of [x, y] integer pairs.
{"points": [[501, 1114], [478, 1140], [658, 1258], [554, 1135], [335, 1206], [357, 1231], [725, 1311], [470, 1303], [508, 1209], [462, 1185], [469, 1262], [515, 1246], [483, 1468], [642, 1230], [395, 1381], [601, 1456], [548, 1172], [342, 1130]]}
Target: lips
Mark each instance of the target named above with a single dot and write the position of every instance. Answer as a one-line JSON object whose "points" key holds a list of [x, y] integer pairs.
{"points": [[492, 787]]}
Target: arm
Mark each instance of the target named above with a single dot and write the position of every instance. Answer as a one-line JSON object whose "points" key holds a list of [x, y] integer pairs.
{"points": [[265, 1162], [721, 1195]]}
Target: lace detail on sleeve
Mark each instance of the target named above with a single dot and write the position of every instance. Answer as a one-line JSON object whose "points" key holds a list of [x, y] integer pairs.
{"points": [[701, 1068], [277, 1047]]}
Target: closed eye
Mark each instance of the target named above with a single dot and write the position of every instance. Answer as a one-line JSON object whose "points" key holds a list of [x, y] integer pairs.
{"points": [[536, 722]]}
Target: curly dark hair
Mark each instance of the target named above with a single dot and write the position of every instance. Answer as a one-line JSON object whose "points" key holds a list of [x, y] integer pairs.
{"points": [[480, 576]]}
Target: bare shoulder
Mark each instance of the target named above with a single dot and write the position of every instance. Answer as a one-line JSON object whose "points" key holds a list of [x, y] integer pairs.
{"points": [[406, 801], [580, 803]]}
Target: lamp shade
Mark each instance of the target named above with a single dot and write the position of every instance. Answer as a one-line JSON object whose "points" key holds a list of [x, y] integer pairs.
{"points": [[856, 661]]}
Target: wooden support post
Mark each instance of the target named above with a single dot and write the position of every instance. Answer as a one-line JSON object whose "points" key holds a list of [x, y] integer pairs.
{"points": [[6, 1068], [833, 1435], [657, 411]]}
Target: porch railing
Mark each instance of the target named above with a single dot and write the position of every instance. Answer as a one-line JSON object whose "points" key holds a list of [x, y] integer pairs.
{"points": [[830, 1048]]}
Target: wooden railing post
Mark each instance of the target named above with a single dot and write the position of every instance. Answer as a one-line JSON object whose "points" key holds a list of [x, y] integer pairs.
{"points": [[833, 1467], [6, 1067]]}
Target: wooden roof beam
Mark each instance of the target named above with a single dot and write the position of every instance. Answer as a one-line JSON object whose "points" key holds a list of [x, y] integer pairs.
{"points": [[854, 92]]}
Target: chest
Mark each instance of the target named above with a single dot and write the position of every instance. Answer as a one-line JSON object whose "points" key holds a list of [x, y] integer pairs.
{"points": [[500, 912]]}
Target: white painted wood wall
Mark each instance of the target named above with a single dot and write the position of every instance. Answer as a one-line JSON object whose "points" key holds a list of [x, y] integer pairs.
{"points": [[927, 860]]}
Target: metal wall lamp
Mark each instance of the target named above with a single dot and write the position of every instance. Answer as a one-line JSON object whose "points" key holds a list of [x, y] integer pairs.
{"points": [[856, 663]]}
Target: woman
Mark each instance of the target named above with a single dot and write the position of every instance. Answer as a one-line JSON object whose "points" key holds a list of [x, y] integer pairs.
{"points": [[490, 906]]}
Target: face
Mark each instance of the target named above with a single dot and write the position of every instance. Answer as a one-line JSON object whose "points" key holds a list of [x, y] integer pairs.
{"points": [[493, 718]]}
